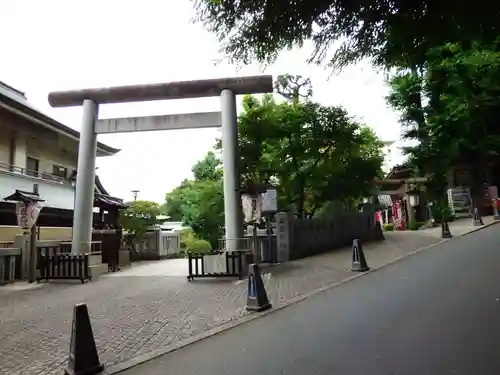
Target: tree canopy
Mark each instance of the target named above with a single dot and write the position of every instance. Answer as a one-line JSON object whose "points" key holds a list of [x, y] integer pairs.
{"points": [[392, 32], [199, 202], [312, 154], [139, 216], [450, 108]]}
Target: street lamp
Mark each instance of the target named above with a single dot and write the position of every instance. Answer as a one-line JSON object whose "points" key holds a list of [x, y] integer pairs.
{"points": [[135, 193]]}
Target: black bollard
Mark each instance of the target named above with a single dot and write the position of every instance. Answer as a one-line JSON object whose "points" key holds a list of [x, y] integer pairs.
{"points": [[358, 257], [83, 357], [478, 221], [445, 230], [257, 297], [379, 233]]}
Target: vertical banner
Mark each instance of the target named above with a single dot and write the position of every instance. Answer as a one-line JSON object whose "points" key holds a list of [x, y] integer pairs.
{"points": [[22, 215], [33, 211]]}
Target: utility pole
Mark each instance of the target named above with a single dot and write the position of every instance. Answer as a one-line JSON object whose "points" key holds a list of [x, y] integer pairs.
{"points": [[135, 193]]}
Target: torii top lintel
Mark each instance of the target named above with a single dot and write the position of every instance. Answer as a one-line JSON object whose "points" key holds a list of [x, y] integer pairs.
{"points": [[162, 91]]}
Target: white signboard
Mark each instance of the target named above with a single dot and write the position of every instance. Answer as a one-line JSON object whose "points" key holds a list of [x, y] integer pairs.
{"points": [[270, 201]]}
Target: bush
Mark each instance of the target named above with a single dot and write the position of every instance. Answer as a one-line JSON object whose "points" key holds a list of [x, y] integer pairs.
{"points": [[414, 226], [199, 246], [388, 227], [187, 236], [442, 211]]}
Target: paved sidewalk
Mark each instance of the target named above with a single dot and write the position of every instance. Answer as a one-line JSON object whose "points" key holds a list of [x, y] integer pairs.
{"points": [[459, 227], [151, 305]]}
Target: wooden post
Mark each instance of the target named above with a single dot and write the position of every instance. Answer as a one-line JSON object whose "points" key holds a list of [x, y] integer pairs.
{"points": [[33, 255]]}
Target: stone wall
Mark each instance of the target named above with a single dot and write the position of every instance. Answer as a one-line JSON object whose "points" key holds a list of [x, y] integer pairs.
{"points": [[9, 233], [157, 244], [302, 238]]}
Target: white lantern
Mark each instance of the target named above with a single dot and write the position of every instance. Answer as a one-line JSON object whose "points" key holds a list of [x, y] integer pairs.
{"points": [[252, 207]]}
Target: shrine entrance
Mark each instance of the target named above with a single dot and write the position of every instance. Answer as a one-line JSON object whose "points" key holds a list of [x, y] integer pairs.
{"points": [[90, 99]]}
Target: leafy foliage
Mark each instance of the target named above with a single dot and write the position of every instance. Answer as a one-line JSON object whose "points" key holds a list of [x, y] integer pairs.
{"points": [[450, 107], [199, 202], [139, 216], [392, 32], [203, 209], [199, 246], [312, 153], [209, 168], [187, 236]]}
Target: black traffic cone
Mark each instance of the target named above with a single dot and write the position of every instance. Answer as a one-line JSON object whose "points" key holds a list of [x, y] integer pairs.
{"points": [[445, 230], [358, 257], [478, 221], [257, 297], [83, 358]]}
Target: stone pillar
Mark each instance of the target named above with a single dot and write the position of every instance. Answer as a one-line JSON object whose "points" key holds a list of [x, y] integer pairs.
{"points": [[230, 157], [22, 241], [85, 180], [284, 235]]}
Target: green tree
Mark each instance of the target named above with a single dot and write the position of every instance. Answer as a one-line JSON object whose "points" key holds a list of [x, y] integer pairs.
{"points": [[313, 153], [391, 32], [203, 209], [139, 216], [449, 108], [209, 168], [199, 203], [173, 201], [464, 100]]}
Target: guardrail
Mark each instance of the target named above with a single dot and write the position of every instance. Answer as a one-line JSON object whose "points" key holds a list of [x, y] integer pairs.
{"points": [[215, 264]]}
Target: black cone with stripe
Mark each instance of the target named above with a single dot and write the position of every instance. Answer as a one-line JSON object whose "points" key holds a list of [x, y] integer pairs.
{"points": [[256, 295], [358, 257]]}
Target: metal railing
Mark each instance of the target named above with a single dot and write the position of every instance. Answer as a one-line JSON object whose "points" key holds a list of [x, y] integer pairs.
{"points": [[37, 174]]}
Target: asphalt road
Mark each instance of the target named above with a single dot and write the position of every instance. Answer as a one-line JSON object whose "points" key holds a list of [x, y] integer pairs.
{"points": [[437, 312]]}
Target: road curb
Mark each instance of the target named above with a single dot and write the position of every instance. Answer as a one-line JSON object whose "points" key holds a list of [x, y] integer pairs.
{"points": [[140, 359]]}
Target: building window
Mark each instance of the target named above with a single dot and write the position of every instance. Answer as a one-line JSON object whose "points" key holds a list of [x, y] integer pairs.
{"points": [[32, 165], [59, 171]]}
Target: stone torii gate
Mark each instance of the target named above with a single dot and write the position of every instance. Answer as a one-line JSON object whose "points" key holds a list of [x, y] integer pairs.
{"points": [[90, 99]]}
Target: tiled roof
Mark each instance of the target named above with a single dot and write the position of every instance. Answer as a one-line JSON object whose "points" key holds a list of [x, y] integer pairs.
{"points": [[106, 200], [23, 196]]}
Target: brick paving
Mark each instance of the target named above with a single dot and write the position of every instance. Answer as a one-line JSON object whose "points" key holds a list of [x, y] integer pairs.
{"points": [[151, 305]]}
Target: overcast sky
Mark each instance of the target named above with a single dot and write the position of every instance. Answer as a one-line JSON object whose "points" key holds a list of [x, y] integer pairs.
{"points": [[59, 44]]}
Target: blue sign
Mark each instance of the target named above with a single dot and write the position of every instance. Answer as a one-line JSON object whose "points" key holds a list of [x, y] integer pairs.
{"points": [[251, 287]]}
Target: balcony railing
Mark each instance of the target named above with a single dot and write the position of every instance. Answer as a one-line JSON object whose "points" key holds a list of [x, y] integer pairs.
{"points": [[27, 172]]}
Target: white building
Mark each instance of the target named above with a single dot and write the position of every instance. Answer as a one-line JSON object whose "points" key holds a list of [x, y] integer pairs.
{"points": [[36, 149]]}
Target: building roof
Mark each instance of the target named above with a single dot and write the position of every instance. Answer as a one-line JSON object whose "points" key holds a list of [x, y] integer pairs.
{"points": [[15, 100], [107, 201], [23, 196]]}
